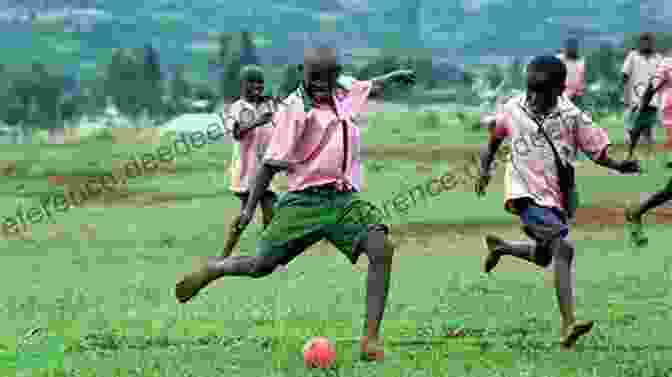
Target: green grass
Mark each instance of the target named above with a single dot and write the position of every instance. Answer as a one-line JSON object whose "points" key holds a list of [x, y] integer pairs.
{"points": [[111, 298]]}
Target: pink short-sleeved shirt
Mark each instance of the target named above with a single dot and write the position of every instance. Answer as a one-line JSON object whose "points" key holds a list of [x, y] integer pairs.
{"points": [[309, 141], [252, 145], [663, 76], [531, 171]]}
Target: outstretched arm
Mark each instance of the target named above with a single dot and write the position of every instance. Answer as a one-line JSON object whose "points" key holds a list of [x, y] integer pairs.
{"points": [[488, 153], [487, 156], [603, 159], [381, 82]]}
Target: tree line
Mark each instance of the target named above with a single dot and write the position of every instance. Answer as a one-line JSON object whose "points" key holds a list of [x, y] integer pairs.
{"points": [[135, 83]]}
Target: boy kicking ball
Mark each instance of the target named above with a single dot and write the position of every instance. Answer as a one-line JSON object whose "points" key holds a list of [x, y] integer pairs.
{"points": [[533, 181], [313, 142]]}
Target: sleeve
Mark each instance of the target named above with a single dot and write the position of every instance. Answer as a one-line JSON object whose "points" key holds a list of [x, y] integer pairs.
{"points": [[359, 95], [663, 74], [627, 65], [230, 117], [591, 140], [580, 78], [290, 122], [502, 129]]}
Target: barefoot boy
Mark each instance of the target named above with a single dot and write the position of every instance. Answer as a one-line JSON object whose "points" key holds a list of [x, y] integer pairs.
{"points": [[533, 185], [313, 142], [662, 81]]}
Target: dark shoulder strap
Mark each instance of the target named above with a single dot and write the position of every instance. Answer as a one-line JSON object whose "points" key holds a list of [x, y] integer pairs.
{"points": [[540, 125]]}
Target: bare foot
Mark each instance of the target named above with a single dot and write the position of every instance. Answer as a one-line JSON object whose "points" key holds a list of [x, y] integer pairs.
{"points": [[371, 350], [575, 331], [491, 242], [191, 284]]}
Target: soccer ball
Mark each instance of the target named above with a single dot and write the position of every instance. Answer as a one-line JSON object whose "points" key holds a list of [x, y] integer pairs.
{"points": [[319, 353]]}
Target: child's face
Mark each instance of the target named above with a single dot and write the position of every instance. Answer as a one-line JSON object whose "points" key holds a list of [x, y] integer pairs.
{"points": [[320, 80], [252, 89], [542, 90]]}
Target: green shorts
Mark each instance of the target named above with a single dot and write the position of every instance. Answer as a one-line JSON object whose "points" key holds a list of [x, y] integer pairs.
{"points": [[304, 218], [646, 120]]}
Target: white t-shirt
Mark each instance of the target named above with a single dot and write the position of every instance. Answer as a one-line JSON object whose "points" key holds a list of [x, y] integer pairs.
{"points": [[640, 69]]}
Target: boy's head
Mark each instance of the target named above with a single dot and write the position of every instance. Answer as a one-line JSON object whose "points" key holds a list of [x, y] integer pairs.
{"points": [[572, 48], [546, 77], [646, 43], [252, 83], [320, 72]]}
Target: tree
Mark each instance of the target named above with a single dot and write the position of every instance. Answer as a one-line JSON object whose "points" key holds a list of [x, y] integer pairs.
{"points": [[494, 76], [124, 82], [604, 64], [180, 90], [224, 57], [5, 91], [153, 81], [424, 69], [224, 40], [290, 80], [248, 51], [516, 73], [231, 82]]}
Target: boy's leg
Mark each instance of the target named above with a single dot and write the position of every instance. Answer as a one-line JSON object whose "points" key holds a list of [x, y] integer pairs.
{"points": [[563, 253], [296, 226], [667, 146], [634, 215], [547, 228], [360, 231], [267, 203], [535, 251], [233, 234]]}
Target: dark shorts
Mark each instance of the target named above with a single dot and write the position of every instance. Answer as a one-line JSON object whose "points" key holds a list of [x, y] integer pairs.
{"points": [[646, 122], [306, 217], [245, 196], [532, 214]]}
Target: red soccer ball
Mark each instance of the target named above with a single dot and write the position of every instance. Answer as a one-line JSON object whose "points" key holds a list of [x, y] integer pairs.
{"points": [[319, 353]]}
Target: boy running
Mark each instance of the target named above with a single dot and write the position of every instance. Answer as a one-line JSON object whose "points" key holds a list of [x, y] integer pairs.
{"points": [[638, 68], [313, 142], [533, 189], [661, 82]]}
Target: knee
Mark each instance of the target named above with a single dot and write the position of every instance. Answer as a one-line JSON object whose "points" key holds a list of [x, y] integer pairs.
{"points": [[563, 249], [377, 245]]}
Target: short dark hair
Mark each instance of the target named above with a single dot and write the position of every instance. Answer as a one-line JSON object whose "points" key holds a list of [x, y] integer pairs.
{"points": [[551, 65], [647, 36]]}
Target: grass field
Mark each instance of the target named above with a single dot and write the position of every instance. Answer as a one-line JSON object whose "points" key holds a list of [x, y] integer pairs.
{"points": [[100, 278]]}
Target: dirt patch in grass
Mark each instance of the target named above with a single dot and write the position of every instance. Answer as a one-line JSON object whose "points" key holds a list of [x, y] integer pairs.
{"points": [[134, 200], [132, 168], [87, 192], [7, 168], [615, 216]]}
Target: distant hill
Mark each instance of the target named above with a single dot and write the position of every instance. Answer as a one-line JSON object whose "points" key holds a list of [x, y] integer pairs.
{"points": [[79, 34]]}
